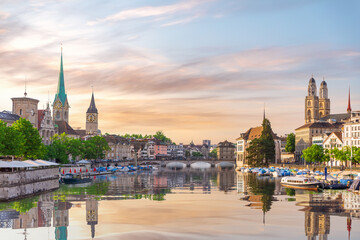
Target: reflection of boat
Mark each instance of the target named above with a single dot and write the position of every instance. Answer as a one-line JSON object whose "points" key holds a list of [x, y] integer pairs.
{"points": [[355, 186], [75, 179], [306, 183]]}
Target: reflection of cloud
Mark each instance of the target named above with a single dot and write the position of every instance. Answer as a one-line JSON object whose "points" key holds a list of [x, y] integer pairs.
{"points": [[150, 11]]}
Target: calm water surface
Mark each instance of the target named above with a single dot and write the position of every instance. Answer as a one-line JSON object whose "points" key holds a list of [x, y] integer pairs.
{"points": [[182, 205]]}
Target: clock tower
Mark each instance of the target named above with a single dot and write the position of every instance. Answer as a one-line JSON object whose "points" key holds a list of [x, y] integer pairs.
{"points": [[61, 104], [92, 118]]}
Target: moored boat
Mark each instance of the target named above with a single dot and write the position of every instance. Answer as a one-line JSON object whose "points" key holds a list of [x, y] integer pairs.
{"points": [[306, 183], [75, 179]]}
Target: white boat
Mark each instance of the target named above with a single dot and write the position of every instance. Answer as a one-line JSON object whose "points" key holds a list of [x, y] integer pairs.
{"points": [[307, 183]]}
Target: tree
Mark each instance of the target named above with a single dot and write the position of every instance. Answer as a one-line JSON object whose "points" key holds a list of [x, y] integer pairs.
{"points": [[213, 153], [261, 150], [97, 146], [197, 154], [15, 142], [160, 136], [315, 153], [32, 145], [255, 156], [75, 148], [290, 143], [268, 142], [2, 137], [58, 149]]}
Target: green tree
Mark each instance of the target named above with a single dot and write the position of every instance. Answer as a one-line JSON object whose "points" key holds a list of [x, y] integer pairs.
{"points": [[261, 151], [75, 148], [161, 136], [15, 142], [2, 137], [268, 142], [315, 153], [57, 150], [33, 142], [197, 154], [99, 145], [213, 153], [255, 156], [290, 143]]}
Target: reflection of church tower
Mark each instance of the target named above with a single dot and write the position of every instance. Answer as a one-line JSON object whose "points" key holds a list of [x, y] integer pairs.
{"points": [[61, 219], [317, 224], [324, 101], [311, 103], [92, 214], [61, 104], [92, 118], [225, 180]]}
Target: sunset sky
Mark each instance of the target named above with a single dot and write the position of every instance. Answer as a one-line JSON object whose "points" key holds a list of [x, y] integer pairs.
{"points": [[196, 69]]}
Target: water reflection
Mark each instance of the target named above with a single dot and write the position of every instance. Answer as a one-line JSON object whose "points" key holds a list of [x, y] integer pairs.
{"points": [[52, 210]]}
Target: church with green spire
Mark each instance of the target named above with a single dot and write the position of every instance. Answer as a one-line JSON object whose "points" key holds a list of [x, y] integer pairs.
{"points": [[61, 104]]}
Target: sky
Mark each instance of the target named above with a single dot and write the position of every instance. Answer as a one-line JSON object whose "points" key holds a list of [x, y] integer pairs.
{"points": [[195, 69]]}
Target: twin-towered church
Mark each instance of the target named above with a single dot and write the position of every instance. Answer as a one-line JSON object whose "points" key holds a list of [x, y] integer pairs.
{"points": [[58, 122]]}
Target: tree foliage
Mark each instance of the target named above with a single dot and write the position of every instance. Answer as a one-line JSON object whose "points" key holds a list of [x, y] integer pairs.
{"points": [[290, 143], [261, 151], [33, 143], [213, 153], [314, 154]]}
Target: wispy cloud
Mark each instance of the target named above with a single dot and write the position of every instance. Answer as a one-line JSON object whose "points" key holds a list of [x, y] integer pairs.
{"points": [[151, 11]]}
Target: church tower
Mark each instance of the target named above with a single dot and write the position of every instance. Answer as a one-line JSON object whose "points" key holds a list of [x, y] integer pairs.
{"points": [[61, 104], [311, 103], [324, 101], [92, 118]]}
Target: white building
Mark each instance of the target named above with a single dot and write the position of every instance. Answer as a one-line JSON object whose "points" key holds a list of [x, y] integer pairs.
{"points": [[176, 151], [351, 131]]}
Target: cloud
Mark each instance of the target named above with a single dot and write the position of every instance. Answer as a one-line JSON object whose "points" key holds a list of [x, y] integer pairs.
{"points": [[181, 21], [150, 11]]}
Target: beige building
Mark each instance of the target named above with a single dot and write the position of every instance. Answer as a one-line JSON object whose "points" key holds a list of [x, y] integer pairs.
{"points": [[316, 107], [120, 147], [46, 125], [226, 151], [305, 134], [26, 108]]}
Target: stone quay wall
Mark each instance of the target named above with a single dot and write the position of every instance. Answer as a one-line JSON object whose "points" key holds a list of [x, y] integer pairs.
{"points": [[28, 182]]}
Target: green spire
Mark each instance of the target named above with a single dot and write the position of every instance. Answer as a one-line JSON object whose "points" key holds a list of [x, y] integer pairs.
{"points": [[61, 85]]}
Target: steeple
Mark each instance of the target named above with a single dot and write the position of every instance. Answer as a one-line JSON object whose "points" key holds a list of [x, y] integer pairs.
{"points": [[92, 108], [61, 84], [349, 104], [264, 113]]}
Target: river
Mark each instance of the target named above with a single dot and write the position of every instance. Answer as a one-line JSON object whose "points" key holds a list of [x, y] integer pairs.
{"points": [[182, 205]]}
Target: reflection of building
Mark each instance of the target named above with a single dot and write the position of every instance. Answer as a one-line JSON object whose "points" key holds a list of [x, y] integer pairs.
{"points": [[7, 217], [225, 180], [317, 224], [61, 219], [92, 214]]}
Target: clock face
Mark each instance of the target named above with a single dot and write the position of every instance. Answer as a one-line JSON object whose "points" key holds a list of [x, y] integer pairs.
{"points": [[57, 105], [91, 118]]}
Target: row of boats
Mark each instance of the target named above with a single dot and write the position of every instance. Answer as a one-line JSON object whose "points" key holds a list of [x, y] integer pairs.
{"points": [[307, 179], [78, 178]]}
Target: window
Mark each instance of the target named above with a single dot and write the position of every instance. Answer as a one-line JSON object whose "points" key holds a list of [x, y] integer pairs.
{"points": [[20, 112]]}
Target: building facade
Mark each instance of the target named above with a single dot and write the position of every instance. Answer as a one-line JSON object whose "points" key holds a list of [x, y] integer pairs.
{"points": [[8, 117], [46, 125], [226, 151], [26, 108], [316, 107], [176, 151], [120, 148], [351, 133], [92, 118]]}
